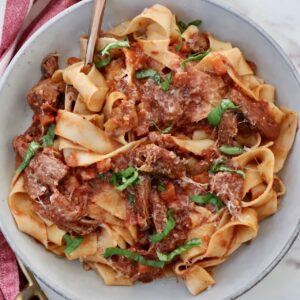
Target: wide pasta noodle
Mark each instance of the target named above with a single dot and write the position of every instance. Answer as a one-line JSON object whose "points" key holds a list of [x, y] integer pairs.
{"points": [[81, 131], [76, 156], [111, 200], [259, 166], [88, 247], [194, 146], [109, 276], [91, 87], [160, 29], [197, 279], [283, 144], [25, 216]]}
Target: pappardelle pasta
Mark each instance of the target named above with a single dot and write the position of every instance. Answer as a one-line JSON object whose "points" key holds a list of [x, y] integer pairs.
{"points": [[162, 156]]}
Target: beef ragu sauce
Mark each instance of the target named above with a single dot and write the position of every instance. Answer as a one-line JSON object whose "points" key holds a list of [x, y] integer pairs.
{"points": [[168, 175]]}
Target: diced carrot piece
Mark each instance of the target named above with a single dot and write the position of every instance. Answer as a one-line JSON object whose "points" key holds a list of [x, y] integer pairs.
{"points": [[169, 194], [219, 65], [143, 268], [201, 178]]}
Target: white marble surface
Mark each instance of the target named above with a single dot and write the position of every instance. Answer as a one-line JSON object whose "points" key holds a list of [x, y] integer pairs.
{"points": [[281, 20]]}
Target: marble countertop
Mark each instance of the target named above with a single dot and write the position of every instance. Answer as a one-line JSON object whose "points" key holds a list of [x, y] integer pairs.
{"points": [[281, 20]]}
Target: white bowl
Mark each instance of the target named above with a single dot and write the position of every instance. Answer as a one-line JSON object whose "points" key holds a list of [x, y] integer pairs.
{"points": [[248, 265]]}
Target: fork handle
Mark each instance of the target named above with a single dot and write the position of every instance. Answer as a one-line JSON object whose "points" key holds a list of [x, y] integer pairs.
{"points": [[96, 21]]}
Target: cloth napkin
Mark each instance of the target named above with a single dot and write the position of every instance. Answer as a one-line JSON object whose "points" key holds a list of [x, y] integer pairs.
{"points": [[18, 20]]}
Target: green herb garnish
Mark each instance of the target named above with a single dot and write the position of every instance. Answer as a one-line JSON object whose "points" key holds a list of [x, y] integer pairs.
{"points": [[161, 187], [148, 73], [196, 22], [188, 245], [165, 85], [133, 256], [179, 46], [208, 199], [183, 26], [171, 223], [72, 243], [229, 170], [106, 51], [125, 178], [48, 139], [31, 151], [218, 166], [195, 57], [231, 150], [214, 117]]}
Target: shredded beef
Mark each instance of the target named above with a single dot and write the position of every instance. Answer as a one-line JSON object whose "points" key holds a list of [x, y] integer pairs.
{"points": [[43, 98], [126, 266], [195, 166], [21, 142], [142, 194], [134, 270], [58, 196], [122, 119], [154, 159], [158, 211], [162, 140], [198, 42], [179, 234], [258, 113], [191, 97], [49, 65], [228, 128], [229, 187], [44, 172]]}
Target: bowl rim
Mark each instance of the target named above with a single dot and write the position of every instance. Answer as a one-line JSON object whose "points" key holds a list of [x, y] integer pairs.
{"points": [[232, 11]]}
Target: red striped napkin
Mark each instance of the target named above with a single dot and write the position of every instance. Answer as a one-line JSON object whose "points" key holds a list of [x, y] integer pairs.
{"points": [[18, 20]]}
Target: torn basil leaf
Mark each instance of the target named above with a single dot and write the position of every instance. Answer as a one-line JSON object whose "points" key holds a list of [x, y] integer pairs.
{"points": [[72, 243], [48, 139], [179, 46], [188, 245], [218, 166], [165, 85], [106, 51], [229, 150], [148, 73], [171, 223], [195, 57], [124, 178], [161, 187], [215, 115], [183, 26], [133, 256], [208, 199], [31, 151]]}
